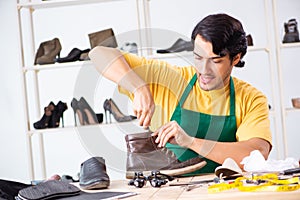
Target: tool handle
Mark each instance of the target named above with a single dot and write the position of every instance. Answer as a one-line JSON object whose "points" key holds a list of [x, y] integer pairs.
{"points": [[291, 171]]}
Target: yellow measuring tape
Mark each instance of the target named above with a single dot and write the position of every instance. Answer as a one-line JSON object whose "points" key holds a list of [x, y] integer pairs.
{"points": [[265, 182]]}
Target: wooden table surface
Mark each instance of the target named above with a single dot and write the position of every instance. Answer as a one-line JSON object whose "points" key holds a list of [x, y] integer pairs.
{"points": [[180, 192]]}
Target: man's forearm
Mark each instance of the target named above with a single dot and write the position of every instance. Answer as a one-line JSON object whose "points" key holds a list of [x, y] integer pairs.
{"points": [[219, 151]]}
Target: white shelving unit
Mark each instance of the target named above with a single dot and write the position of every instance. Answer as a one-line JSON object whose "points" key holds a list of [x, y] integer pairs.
{"points": [[287, 91], [26, 11]]}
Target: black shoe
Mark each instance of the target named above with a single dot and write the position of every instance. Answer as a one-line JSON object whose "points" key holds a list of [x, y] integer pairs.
{"points": [[93, 174], [291, 32], [57, 114], [85, 113], [81, 115], [44, 121], [179, 46], [111, 107], [74, 55], [91, 116]]}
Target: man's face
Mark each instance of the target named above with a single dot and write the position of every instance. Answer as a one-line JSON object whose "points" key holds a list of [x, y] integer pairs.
{"points": [[213, 71]]}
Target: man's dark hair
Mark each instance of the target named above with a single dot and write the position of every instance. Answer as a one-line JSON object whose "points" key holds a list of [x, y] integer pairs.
{"points": [[225, 33]]}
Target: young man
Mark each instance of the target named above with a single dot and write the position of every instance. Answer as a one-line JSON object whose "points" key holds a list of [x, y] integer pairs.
{"points": [[196, 110]]}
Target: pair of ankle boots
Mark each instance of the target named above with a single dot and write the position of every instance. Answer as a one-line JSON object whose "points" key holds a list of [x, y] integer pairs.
{"points": [[143, 155], [52, 115]]}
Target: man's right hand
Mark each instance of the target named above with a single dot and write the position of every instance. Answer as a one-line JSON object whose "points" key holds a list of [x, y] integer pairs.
{"points": [[143, 105]]}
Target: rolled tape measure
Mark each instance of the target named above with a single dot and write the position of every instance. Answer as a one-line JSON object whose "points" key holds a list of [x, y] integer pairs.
{"points": [[265, 182]]}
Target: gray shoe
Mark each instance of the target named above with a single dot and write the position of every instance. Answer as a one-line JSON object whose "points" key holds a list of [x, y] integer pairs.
{"points": [[93, 174]]}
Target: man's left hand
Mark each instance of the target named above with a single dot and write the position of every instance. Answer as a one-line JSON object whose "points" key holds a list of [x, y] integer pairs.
{"points": [[173, 133]]}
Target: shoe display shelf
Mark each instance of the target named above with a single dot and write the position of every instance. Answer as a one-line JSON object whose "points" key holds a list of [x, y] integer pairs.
{"points": [[287, 60], [57, 3], [27, 37]]}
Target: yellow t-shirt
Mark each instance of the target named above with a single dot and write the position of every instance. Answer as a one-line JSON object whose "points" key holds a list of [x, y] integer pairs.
{"points": [[167, 83]]}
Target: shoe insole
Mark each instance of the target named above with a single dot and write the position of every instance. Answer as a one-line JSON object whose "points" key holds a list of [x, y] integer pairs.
{"points": [[48, 189], [99, 195]]}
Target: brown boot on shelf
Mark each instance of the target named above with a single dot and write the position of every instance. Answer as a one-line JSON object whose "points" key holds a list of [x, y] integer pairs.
{"points": [[47, 52], [144, 155], [103, 38]]}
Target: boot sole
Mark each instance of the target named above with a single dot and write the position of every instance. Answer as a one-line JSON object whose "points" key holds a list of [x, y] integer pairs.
{"points": [[171, 172], [96, 185]]}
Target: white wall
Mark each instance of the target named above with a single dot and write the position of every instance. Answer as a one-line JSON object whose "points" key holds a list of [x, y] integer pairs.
{"points": [[13, 141], [66, 150]]}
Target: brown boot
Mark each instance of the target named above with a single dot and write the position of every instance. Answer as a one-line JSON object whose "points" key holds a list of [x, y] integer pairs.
{"points": [[144, 155], [103, 38], [47, 52]]}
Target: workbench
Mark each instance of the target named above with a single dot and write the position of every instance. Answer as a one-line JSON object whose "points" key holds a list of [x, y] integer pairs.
{"points": [[200, 191]]}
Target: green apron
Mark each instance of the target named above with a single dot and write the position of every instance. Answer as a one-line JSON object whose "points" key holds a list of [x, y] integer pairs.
{"points": [[201, 125]]}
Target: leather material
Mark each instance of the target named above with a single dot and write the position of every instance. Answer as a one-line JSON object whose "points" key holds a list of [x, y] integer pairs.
{"points": [[74, 55], [103, 38], [179, 46], [249, 40], [144, 155], [93, 174], [47, 52]]}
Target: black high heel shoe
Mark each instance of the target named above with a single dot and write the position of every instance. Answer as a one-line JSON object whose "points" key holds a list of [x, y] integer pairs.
{"points": [[111, 107], [58, 113], [44, 121], [81, 115], [91, 117], [47, 52], [85, 113]]}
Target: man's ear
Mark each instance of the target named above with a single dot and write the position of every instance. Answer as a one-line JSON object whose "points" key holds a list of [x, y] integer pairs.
{"points": [[236, 59]]}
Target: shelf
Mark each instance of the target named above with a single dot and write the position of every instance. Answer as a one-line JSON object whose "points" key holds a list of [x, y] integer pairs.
{"points": [[289, 110], [190, 53], [170, 55], [290, 45], [127, 127], [57, 66], [58, 3], [253, 48]]}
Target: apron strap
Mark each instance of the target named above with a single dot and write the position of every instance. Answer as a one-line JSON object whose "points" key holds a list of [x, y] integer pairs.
{"points": [[187, 90], [191, 84], [232, 97]]}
